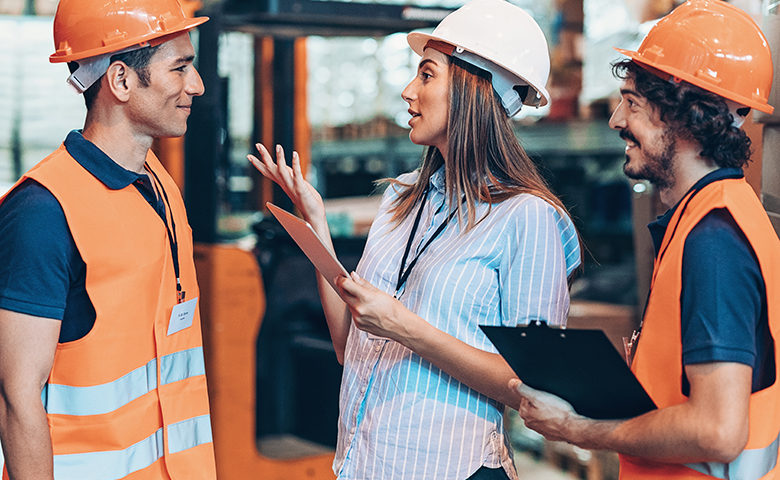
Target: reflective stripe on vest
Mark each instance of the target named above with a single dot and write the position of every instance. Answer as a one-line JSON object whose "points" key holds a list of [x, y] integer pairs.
{"points": [[116, 464], [749, 465], [105, 398], [189, 433]]}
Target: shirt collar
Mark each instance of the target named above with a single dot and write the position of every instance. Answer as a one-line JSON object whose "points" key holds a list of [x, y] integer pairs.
{"points": [[96, 162], [437, 180], [658, 226]]}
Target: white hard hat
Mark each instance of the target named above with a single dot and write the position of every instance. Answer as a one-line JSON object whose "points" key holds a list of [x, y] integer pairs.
{"points": [[504, 40]]}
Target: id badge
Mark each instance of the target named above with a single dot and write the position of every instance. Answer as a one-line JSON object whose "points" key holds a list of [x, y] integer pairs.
{"points": [[182, 316]]}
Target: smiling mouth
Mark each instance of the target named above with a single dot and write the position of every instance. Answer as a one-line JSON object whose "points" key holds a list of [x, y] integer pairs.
{"points": [[629, 138], [415, 116]]}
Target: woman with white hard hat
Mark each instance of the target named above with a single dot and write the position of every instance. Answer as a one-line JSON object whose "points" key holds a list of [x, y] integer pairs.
{"points": [[473, 237]]}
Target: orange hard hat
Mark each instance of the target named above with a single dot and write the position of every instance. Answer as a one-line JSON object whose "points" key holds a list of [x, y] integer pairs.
{"points": [[87, 28], [713, 45]]}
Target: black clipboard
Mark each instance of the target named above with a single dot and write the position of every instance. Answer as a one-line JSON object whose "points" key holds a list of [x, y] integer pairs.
{"points": [[580, 366]]}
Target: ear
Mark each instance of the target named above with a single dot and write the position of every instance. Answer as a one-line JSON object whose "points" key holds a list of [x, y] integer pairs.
{"points": [[119, 80]]}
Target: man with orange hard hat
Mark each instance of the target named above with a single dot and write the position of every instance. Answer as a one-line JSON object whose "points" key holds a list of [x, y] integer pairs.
{"points": [[706, 351], [101, 357]]}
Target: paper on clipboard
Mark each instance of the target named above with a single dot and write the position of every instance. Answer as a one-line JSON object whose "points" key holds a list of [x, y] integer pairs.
{"points": [[304, 235]]}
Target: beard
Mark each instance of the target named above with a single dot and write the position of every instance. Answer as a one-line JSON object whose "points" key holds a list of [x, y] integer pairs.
{"points": [[656, 165]]}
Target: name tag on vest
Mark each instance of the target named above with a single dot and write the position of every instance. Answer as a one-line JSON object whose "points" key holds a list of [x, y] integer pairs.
{"points": [[182, 316]]}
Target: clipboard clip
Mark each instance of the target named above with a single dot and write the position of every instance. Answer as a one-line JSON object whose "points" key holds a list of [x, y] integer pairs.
{"points": [[540, 324], [628, 346]]}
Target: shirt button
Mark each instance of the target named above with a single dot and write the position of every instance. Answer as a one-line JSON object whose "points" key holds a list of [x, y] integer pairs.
{"points": [[352, 431], [362, 389], [378, 347]]}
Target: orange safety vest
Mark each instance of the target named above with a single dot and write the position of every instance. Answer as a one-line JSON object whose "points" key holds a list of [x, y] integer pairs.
{"points": [[127, 400], [658, 360]]}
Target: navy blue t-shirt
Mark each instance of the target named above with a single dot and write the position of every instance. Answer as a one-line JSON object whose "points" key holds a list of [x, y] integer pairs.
{"points": [[723, 299], [41, 270]]}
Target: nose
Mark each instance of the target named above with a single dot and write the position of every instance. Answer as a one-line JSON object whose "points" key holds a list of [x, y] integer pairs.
{"points": [[618, 118], [409, 93], [195, 83]]}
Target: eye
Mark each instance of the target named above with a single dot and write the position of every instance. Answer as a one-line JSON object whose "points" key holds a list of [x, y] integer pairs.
{"points": [[182, 68], [425, 75]]}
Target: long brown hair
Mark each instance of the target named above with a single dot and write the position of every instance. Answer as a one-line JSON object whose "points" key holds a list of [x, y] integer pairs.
{"points": [[487, 162]]}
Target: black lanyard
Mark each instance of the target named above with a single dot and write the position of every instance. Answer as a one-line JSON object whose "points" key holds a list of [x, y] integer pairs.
{"points": [[172, 238], [404, 274]]}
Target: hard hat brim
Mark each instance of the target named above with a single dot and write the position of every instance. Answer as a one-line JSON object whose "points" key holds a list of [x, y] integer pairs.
{"points": [[418, 40], [681, 75], [185, 25]]}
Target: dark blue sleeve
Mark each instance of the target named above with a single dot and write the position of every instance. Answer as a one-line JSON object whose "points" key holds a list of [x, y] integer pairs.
{"points": [[36, 253], [722, 291]]}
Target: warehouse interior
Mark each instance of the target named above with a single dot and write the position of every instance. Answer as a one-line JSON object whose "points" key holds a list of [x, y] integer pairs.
{"points": [[323, 77]]}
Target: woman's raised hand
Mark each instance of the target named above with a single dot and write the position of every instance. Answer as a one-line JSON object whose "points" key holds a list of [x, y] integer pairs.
{"points": [[302, 193]]}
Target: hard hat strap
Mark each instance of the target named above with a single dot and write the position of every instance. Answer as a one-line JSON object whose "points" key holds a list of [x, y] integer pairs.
{"points": [[503, 82], [91, 69], [738, 112]]}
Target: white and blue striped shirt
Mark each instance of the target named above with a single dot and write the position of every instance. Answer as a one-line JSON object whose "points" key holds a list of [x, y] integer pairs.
{"points": [[401, 417]]}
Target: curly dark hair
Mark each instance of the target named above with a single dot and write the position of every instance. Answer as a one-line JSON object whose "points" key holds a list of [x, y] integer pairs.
{"points": [[701, 115]]}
